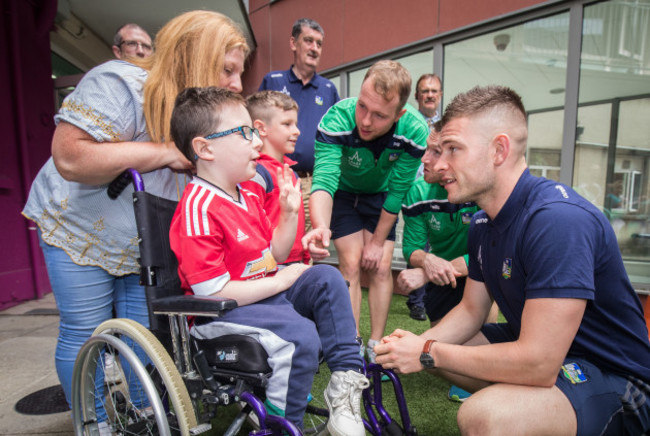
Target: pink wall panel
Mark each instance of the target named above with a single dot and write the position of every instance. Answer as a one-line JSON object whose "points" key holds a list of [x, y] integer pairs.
{"points": [[385, 25], [26, 112], [258, 62]]}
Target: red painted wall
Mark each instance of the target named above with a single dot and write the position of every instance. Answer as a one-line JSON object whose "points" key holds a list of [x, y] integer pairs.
{"points": [[355, 29], [26, 111]]}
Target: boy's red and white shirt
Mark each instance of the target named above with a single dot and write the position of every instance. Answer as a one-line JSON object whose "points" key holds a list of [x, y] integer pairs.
{"points": [[265, 186], [217, 238]]}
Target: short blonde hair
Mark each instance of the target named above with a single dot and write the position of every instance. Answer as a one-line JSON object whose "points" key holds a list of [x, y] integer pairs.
{"points": [[484, 99], [190, 52], [390, 78], [261, 103], [503, 104]]}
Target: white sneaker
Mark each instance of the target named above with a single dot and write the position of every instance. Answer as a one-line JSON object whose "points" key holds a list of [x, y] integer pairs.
{"points": [[112, 372], [370, 350], [343, 398]]}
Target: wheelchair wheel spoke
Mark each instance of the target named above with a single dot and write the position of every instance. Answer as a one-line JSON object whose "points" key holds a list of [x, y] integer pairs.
{"points": [[316, 415], [161, 371], [111, 394], [315, 420], [133, 390]]}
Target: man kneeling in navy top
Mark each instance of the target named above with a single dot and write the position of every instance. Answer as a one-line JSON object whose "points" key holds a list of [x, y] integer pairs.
{"points": [[573, 356]]}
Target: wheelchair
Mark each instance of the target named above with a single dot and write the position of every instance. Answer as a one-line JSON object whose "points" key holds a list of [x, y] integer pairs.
{"points": [[130, 380]]}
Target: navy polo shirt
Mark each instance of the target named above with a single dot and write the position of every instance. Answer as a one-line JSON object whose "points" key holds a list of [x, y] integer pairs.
{"points": [[314, 99], [549, 242]]}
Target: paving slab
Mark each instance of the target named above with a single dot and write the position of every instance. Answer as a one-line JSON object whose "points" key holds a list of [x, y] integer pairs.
{"points": [[28, 335]]}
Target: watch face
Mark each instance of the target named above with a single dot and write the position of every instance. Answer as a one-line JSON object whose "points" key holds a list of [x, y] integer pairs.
{"points": [[427, 361]]}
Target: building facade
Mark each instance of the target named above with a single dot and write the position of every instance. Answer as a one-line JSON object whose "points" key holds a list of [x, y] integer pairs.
{"points": [[582, 68]]}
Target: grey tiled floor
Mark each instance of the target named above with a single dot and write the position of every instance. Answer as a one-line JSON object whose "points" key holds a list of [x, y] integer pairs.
{"points": [[27, 341]]}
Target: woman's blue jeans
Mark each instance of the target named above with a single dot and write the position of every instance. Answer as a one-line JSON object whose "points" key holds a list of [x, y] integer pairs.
{"points": [[85, 297]]}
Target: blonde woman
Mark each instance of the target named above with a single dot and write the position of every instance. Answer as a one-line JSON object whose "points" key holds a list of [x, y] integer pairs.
{"points": [[117, 118]]}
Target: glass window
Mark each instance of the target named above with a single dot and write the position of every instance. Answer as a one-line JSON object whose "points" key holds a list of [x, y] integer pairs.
{"points": [[612, 157], [336, 80], [355, 78], [545, 143], [417, 64], [62, 70], [530, 58], [590, 162], [61, 67]]}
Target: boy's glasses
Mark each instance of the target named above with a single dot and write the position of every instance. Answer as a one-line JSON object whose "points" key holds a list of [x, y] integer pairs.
{"points": [[246, 131]]}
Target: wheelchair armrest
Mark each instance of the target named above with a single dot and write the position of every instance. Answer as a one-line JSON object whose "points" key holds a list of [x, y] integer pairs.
{"points": [[192, 305]]}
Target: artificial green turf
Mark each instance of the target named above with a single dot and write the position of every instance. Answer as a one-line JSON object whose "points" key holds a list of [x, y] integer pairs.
{"points": [[426, 396]]}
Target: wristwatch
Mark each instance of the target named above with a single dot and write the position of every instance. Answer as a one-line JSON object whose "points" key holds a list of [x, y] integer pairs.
{"points": [[426, 360]]}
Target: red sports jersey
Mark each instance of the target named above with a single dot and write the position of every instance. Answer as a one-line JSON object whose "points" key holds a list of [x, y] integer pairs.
{"points": [[265, 186], [217, 239]]}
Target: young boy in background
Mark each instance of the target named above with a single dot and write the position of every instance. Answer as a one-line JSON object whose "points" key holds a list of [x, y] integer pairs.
{"points": [[226, 245], [275, 116]]}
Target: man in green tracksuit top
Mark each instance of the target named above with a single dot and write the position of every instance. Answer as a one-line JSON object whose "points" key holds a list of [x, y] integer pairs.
{"points": [[367, 152], [430, 218]]}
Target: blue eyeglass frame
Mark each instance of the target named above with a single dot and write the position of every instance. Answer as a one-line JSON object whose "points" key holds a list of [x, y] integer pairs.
{"points": [[244, 130]]}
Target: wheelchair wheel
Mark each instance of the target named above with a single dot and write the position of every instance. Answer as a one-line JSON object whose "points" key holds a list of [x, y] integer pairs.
{"points": [[316, 416], [104, 405], [161, 369]]}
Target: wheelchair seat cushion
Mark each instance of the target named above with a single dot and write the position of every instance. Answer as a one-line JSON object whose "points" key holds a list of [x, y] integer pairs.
{"points": [[237, 352]]}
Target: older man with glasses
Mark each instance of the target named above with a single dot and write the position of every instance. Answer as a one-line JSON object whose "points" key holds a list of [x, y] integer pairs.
{"points": [[130, 41]]}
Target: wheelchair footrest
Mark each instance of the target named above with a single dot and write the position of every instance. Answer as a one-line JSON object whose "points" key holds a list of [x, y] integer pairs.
{"points": [[201, 428], [256, 380]]}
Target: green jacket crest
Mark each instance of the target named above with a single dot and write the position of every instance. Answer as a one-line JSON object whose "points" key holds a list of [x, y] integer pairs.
{"points": [[387, 164]]}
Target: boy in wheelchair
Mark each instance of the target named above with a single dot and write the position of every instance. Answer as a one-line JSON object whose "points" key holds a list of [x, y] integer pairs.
{"points": [[225, 245]]}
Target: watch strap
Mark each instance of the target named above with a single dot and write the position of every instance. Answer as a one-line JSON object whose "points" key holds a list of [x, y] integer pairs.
{"points": [[427, 346]]}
